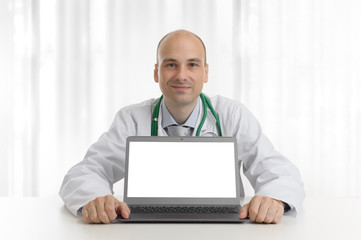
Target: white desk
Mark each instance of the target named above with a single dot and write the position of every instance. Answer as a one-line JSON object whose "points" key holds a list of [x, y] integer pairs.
{"points": [[47, 218]]}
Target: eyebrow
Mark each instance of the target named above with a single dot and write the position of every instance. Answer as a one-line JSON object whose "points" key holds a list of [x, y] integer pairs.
{"points": [[194, 60], [175, 60], [169, 60]]}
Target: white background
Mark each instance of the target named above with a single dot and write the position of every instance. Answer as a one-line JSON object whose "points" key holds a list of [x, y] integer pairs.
{"points": [[67, 66]]}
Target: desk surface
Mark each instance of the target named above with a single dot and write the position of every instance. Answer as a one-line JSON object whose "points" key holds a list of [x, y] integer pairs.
{"points": [[47, 218]]}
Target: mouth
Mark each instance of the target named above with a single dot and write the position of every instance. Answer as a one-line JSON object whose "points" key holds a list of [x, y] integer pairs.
{"points": [[181, 87]]}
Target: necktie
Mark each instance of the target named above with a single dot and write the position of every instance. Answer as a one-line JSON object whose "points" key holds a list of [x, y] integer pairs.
{"points": [[178, 131]]}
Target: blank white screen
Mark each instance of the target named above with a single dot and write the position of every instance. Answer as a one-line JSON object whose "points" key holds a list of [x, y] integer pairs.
{"points": [[181, 169]]}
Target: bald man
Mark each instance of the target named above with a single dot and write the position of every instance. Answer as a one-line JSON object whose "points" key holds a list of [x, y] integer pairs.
{"points": [[181, 70]]}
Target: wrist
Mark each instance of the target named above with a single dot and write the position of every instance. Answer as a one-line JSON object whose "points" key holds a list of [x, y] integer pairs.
{"points": [[286, 207]]}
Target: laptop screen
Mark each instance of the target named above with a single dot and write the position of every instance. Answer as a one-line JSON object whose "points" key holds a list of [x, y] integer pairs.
{"points": [[181, 169]]}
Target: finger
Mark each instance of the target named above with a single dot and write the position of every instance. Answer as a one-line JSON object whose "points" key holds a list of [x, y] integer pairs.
{"points": [[110, 206], [278, 215], [243, 213], [271, 214], [265, 205], [85, 214], [92, 212], [102, 215], [123, 210], [254, 208]]}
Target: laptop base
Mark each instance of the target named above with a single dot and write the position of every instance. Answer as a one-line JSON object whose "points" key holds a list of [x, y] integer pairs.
{"points": [[181, 218]]}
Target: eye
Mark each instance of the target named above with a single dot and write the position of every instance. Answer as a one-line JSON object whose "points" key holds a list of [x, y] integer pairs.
{"points": [[171, 65], [193, 64]]}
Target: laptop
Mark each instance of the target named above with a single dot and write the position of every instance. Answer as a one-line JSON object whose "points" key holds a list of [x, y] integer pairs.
{"points": [[182, 179]]}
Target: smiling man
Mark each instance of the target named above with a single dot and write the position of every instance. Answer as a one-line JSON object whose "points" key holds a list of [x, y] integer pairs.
{"points": [[181, 70]]}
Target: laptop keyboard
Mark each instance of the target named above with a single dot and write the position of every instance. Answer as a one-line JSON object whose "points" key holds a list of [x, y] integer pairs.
{"points": [[184, 209]]}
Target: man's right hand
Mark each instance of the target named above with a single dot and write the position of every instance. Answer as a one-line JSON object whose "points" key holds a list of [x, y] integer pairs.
{"points": [[104, 210]]}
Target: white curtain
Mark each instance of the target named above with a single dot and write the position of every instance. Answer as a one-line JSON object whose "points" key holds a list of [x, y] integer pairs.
{"points": [[68, 66], [301, 77]]}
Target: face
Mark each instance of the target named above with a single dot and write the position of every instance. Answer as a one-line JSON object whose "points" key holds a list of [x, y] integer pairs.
{"points": [[181, 70]]}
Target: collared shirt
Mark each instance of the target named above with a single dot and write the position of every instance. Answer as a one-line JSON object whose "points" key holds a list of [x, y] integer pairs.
{"points": [[168, 120]]}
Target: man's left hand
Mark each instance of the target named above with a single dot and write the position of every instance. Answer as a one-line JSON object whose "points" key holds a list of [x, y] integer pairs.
{"points": [[263, 210]]}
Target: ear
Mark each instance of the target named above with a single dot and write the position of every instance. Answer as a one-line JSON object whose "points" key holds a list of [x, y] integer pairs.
{"points": [[206, 74], [156, 79]]}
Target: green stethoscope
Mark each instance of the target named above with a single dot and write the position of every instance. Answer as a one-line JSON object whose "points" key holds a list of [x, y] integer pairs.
{"points": [[205, 103]]}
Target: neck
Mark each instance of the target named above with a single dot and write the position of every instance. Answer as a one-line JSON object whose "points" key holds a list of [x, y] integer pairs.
{"points": [[180, 112]]}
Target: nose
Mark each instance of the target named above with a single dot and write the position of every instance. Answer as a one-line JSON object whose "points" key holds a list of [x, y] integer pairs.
{"points": [[182, 74]]}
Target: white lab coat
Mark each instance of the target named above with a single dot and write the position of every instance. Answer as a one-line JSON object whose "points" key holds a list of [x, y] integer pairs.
{"points": [[270, 173]]}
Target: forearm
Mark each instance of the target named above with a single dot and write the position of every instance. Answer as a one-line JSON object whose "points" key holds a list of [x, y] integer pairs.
{"points": [[273, 175], [80, 187]]}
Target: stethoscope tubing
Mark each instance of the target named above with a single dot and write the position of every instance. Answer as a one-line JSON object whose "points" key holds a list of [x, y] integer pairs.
{"points": [[206, 103]]}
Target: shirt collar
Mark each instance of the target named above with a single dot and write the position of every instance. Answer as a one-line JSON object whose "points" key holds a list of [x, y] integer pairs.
{"points": [[168, 120]]}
